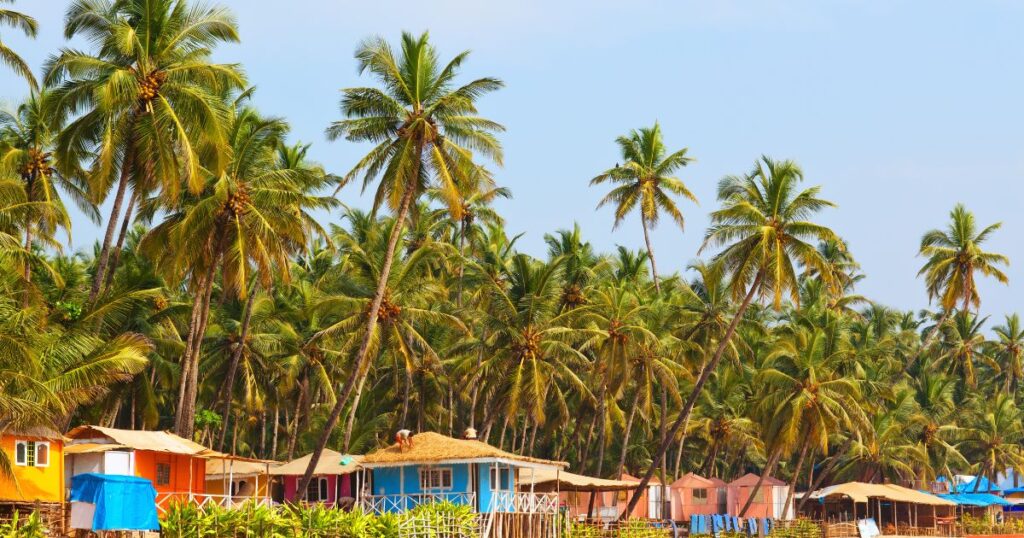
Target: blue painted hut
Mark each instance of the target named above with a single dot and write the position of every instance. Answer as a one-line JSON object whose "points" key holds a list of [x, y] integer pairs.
{"points": [[438, 468]]}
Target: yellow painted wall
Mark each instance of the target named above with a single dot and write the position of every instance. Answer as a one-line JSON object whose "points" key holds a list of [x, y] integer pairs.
{"points": [[36, 483], [215, 486]]}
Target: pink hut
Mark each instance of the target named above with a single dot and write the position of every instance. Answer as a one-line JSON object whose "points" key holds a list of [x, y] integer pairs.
{"points": [[335, 479], [691, 495], [651, 504], [721, 495], [768, 499]]}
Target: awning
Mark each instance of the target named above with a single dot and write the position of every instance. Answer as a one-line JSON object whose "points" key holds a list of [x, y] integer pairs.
{"points": [[976, 499], [550, 479]]}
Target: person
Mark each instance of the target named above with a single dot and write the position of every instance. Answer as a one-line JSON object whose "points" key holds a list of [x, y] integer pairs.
{"points": [[404, 439]]}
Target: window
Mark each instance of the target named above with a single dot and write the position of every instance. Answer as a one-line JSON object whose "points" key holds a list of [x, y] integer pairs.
{"points": [[759, 496], [700, 496], [21, 452], [163, 474], [316, 491], [42, 454], [32, 453], [500, 478], [431, 478]]}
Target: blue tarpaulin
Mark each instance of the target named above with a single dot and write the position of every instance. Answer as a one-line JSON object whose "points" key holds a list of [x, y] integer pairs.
{"points": [[976, 499], [122, 503]]}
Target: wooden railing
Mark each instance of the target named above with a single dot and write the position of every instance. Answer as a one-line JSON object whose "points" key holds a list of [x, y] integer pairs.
{"points": [[524, 502], [165, 500], [379, 504]]}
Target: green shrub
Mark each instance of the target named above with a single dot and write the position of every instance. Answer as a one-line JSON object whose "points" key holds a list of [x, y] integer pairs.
{"points": [[30, 527]]}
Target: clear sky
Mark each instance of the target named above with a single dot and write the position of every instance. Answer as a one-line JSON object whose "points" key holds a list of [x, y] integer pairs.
{"points": [[899, 109]]}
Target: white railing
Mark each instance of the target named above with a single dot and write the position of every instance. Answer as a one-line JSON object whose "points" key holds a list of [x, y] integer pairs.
{"points": [[524, 502], [404, 502], [165, 500]]}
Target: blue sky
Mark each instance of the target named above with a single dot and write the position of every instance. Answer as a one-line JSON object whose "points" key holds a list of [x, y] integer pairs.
{"points": [[899, 109]]}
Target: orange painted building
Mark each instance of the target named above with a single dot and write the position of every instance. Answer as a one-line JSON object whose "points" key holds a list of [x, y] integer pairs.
{"points": [[37, 460], [691, 495], [175, 466]]}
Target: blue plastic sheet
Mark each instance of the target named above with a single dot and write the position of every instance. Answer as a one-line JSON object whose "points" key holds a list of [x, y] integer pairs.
{"points": [[122, 503]]}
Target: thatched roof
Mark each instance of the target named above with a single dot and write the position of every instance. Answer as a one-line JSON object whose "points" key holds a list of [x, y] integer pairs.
{"points": [[429, 447], [552, 479], [34, 432], [102, 439], [330, 463], [861, 492], [217, 468]]}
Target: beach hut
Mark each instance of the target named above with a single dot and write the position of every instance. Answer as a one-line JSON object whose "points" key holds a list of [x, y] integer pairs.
{"points": [[175, 466], [691, 495], [722, 495], [895, 509], [575, 491], [335, 479], [240, 480], [768, 499], [651, 503], [36, 456], [438, 468]]}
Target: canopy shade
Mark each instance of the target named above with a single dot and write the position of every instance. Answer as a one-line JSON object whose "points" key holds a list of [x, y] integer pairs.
{"points": [[861, 492], [976, 499], [551, 479], [430, 447]]}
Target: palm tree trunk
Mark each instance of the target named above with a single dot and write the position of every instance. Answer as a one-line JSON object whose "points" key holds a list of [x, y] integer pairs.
{"points": [[691, 401], [626, 433], [236, 357], [769, 467], [26, 298], [462, 265], [115, 212], [116, 254], [193, 326], [796, 475], [371, 325], [602, 425], [350, 425], [833, 461], [273, 442], [650, 255], [406, 391], [927, 340]]}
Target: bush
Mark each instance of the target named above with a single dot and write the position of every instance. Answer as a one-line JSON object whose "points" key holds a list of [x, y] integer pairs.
{"points": [[981, 525], [317, 521], [30, 527]]}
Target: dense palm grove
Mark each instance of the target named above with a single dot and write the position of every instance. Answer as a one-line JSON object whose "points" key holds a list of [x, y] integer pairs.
{"points": [[218, 303]]}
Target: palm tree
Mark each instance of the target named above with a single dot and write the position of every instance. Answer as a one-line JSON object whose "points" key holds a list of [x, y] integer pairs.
{"points": [[646, 179], [425, 131], [28, 25], [995, 439], [763, 229], [955, 257], [1008, 352], [807, 398], [246, 221], [146, 99], [27, 137], [962, 344]]}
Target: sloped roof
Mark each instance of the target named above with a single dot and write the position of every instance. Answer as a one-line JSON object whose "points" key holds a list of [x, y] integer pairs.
{"points": [[750, 479], [139, 440], [690, 480], [861, 492], [330, 463], [39, 432], [548, 479], [630, 478], [430, 447], [220, 467]]}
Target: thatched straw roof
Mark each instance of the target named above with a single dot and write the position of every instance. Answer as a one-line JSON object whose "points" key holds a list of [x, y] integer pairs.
{"points": [[34, 432], [330, 463], [429, 447], [861, 492], [552, 479], [218, 468]]}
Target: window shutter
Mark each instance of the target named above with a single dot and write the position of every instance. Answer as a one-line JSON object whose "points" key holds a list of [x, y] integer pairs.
{"points": [[20, 453], [42, 454], [323, 489]]}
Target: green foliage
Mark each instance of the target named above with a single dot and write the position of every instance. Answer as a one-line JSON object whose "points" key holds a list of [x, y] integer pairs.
{"points": [[983, 525], [633, 528], [258, 521], [29, 527]]}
